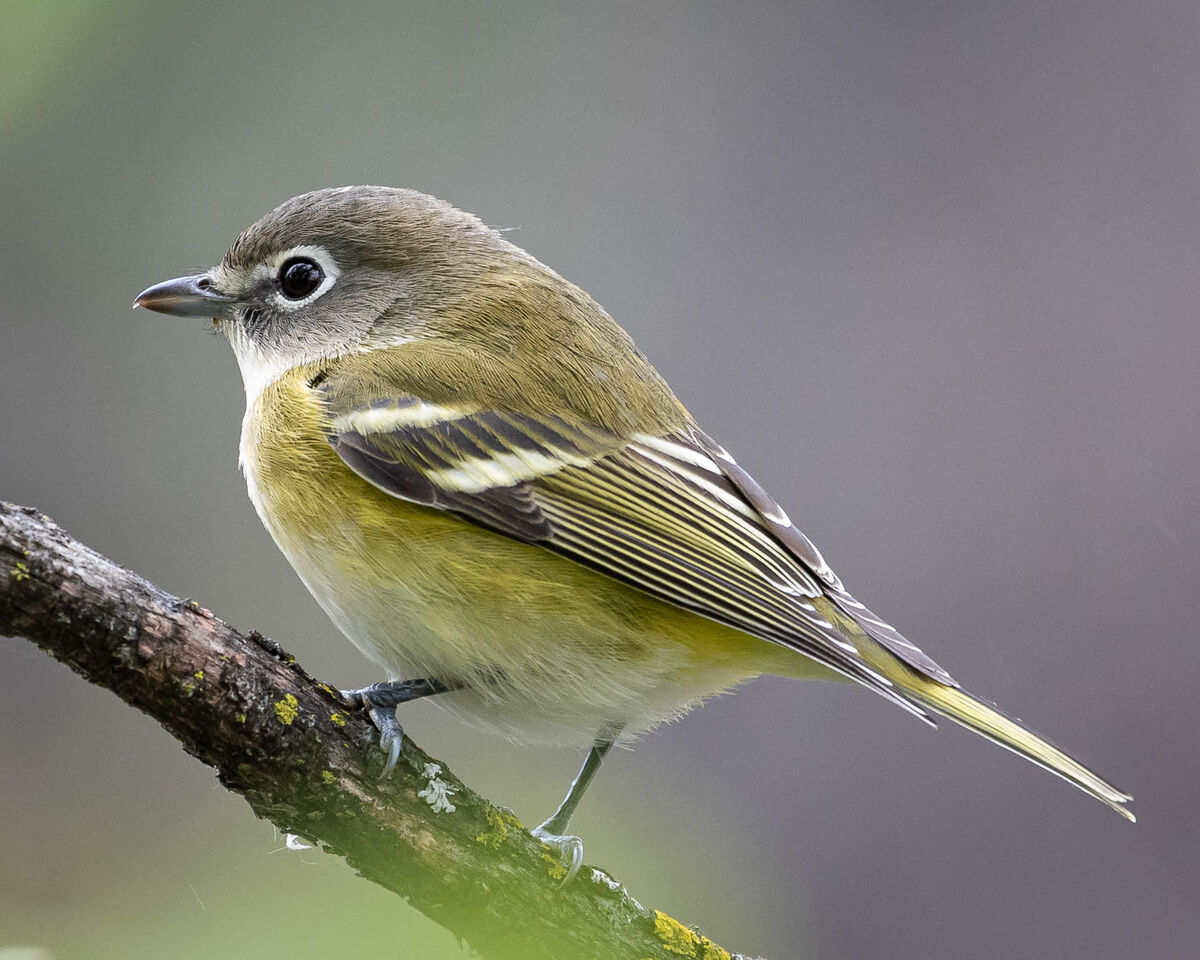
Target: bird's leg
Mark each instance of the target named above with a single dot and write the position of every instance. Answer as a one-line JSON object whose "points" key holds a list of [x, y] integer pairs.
{"points": [[382, 699], [553, 832]]}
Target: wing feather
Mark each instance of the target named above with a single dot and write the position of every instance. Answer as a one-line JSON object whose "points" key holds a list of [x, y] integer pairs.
{"points": [[806, 552], [673, 516]]}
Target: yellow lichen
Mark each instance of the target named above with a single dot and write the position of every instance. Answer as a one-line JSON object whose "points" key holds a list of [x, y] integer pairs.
{"points": [[710, 951], [339, 719], [199, 674], [556, 870], [20, 572], [328, 777], [240, 718], [496, 831], [287, 710], [674, 936]]}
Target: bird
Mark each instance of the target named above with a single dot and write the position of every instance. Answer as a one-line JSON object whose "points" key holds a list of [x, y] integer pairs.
{"points": [[494, 495]]}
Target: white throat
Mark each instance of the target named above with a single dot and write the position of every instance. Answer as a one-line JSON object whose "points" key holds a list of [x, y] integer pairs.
{"points": [[259, 370]]}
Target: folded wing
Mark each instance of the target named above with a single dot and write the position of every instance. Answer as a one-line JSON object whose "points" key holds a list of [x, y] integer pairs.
{"points": [[671, 515]]}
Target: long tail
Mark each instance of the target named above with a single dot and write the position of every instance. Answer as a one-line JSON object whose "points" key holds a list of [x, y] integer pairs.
{"points": [[987, 720]]}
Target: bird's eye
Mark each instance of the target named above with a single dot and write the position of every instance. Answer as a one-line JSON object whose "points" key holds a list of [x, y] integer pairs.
{"points": [[299, 277]]}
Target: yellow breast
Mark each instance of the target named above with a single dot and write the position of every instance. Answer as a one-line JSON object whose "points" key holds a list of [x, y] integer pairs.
{"points": [[552, 649]]}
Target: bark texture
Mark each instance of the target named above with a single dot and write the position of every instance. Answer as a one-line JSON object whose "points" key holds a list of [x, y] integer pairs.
{"points": [[307, 761]]}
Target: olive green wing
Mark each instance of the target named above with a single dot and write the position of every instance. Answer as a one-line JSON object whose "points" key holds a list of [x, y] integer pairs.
{"points": [[670, 515]]}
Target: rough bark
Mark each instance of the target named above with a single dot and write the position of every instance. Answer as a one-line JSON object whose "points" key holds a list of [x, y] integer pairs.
{"points": [[307, 760]]}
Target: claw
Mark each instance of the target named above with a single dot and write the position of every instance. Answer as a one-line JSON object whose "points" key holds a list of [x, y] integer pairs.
{"points": [[393, 751], [568, 848], [381, 701], [391, 737]]}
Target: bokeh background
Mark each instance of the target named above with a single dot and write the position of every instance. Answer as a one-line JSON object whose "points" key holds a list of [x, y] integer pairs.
{"points": [[929, 269]]}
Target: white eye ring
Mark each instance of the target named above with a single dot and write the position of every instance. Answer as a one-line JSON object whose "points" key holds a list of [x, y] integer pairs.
{"points": [[319, 255]]}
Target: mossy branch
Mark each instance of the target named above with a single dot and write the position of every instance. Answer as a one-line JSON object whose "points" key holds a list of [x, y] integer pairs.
{"points": [[307, 761]]}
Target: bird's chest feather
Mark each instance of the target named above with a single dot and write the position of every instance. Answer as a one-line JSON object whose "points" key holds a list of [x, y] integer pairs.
{"points": [[427, 594], [411, 585], [360, 552]]}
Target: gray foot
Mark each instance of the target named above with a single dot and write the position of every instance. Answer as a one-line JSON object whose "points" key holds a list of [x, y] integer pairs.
{"points": [[392, 693], [568, 848], [391, 734], [381, 701]]}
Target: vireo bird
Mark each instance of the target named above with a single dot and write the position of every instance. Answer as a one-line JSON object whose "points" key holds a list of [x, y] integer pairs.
{"points": [[496, 497]]}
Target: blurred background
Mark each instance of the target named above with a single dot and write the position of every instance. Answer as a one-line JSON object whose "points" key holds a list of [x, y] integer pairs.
{"points": [[929, 269]]}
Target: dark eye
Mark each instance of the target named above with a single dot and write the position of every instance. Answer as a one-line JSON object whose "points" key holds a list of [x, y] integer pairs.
{"points": [[299, 277]]}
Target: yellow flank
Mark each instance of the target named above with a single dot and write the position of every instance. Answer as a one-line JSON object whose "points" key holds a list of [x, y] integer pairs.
{"points": [[551, 650]]}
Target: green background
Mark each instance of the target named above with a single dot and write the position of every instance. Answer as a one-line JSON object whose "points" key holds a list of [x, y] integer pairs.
{"points": [[929, 269]]}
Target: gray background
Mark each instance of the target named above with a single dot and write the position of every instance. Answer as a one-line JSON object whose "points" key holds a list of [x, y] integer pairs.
{"points": [[929, 269]]}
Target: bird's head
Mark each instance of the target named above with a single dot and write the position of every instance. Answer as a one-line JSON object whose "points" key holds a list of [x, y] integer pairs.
{"points": [[338, 271]]}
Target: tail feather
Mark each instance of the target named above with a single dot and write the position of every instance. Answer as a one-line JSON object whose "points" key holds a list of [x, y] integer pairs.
{"points": [[989, 721], [972, 712]]}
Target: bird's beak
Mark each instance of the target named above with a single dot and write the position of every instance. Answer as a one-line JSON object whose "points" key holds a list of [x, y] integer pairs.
{"points": [[184, 297]]}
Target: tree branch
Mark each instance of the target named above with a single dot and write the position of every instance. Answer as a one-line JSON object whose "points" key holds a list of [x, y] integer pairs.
{"points": [[308, 761]]}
